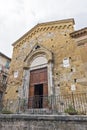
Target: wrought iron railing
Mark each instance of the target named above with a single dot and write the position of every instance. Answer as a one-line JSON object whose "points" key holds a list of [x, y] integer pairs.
{"points": [[47, 104]]}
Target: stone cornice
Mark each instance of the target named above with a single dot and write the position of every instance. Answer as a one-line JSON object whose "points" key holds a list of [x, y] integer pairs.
{"points": [[44, 27], [58, 22], [79, 33], [82, 42]]}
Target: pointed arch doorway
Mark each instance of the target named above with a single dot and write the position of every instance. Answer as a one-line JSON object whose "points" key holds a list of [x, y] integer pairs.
{"points": [[38, 83]]}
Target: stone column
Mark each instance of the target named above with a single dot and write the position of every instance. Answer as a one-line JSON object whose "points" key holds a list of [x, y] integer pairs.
{"points": [[26, 79], [50, 79]]}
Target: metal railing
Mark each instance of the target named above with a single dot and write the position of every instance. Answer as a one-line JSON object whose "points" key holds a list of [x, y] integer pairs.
{"points": [[47, 104]]}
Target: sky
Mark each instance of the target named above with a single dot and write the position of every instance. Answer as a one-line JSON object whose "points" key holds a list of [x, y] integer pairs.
{"points": [[19, 16]]}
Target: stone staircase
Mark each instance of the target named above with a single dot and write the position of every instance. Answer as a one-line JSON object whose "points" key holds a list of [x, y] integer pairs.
{"points": [[42, 111]]}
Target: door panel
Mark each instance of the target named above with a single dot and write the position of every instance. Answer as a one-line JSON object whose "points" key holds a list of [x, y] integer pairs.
{"points": [[31, 95], [38, 77], [45, 89], [31, 91], [45, 99]]}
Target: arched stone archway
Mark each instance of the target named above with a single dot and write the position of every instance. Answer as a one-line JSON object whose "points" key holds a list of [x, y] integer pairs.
{"points": [[38, 73]]}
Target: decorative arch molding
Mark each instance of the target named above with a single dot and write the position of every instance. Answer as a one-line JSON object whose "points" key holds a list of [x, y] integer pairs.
{"points": [[38, 61], [41, 51], [35, 54]]}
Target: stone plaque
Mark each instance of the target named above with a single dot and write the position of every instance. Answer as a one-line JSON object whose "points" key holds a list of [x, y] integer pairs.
{"points": [[15, 74], [66, 62], [73, 87]]}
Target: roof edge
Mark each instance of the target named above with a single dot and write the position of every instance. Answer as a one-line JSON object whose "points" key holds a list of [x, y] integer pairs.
{"points": [[79, 32], [25, 34], [5, 56], [45, 23], [59, 21]]}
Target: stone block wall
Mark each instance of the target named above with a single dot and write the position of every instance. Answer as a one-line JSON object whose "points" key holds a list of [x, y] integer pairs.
{"points": [[38, 122], [55, 37]]}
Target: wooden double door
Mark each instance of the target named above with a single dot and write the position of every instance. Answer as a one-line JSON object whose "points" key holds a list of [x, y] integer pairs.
{"points": [[38, 88]]}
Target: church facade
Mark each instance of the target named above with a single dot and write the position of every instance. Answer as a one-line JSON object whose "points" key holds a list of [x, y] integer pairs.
{"points": [[46, 61]]}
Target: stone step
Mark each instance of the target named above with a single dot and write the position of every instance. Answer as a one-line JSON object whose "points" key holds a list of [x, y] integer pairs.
{"points": [[38, 111]]}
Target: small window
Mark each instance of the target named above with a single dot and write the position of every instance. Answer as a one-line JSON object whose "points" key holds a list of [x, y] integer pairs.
{"points": [[0, 67], [1, 94], [7, 64], [4, 80], [37, 47]]}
